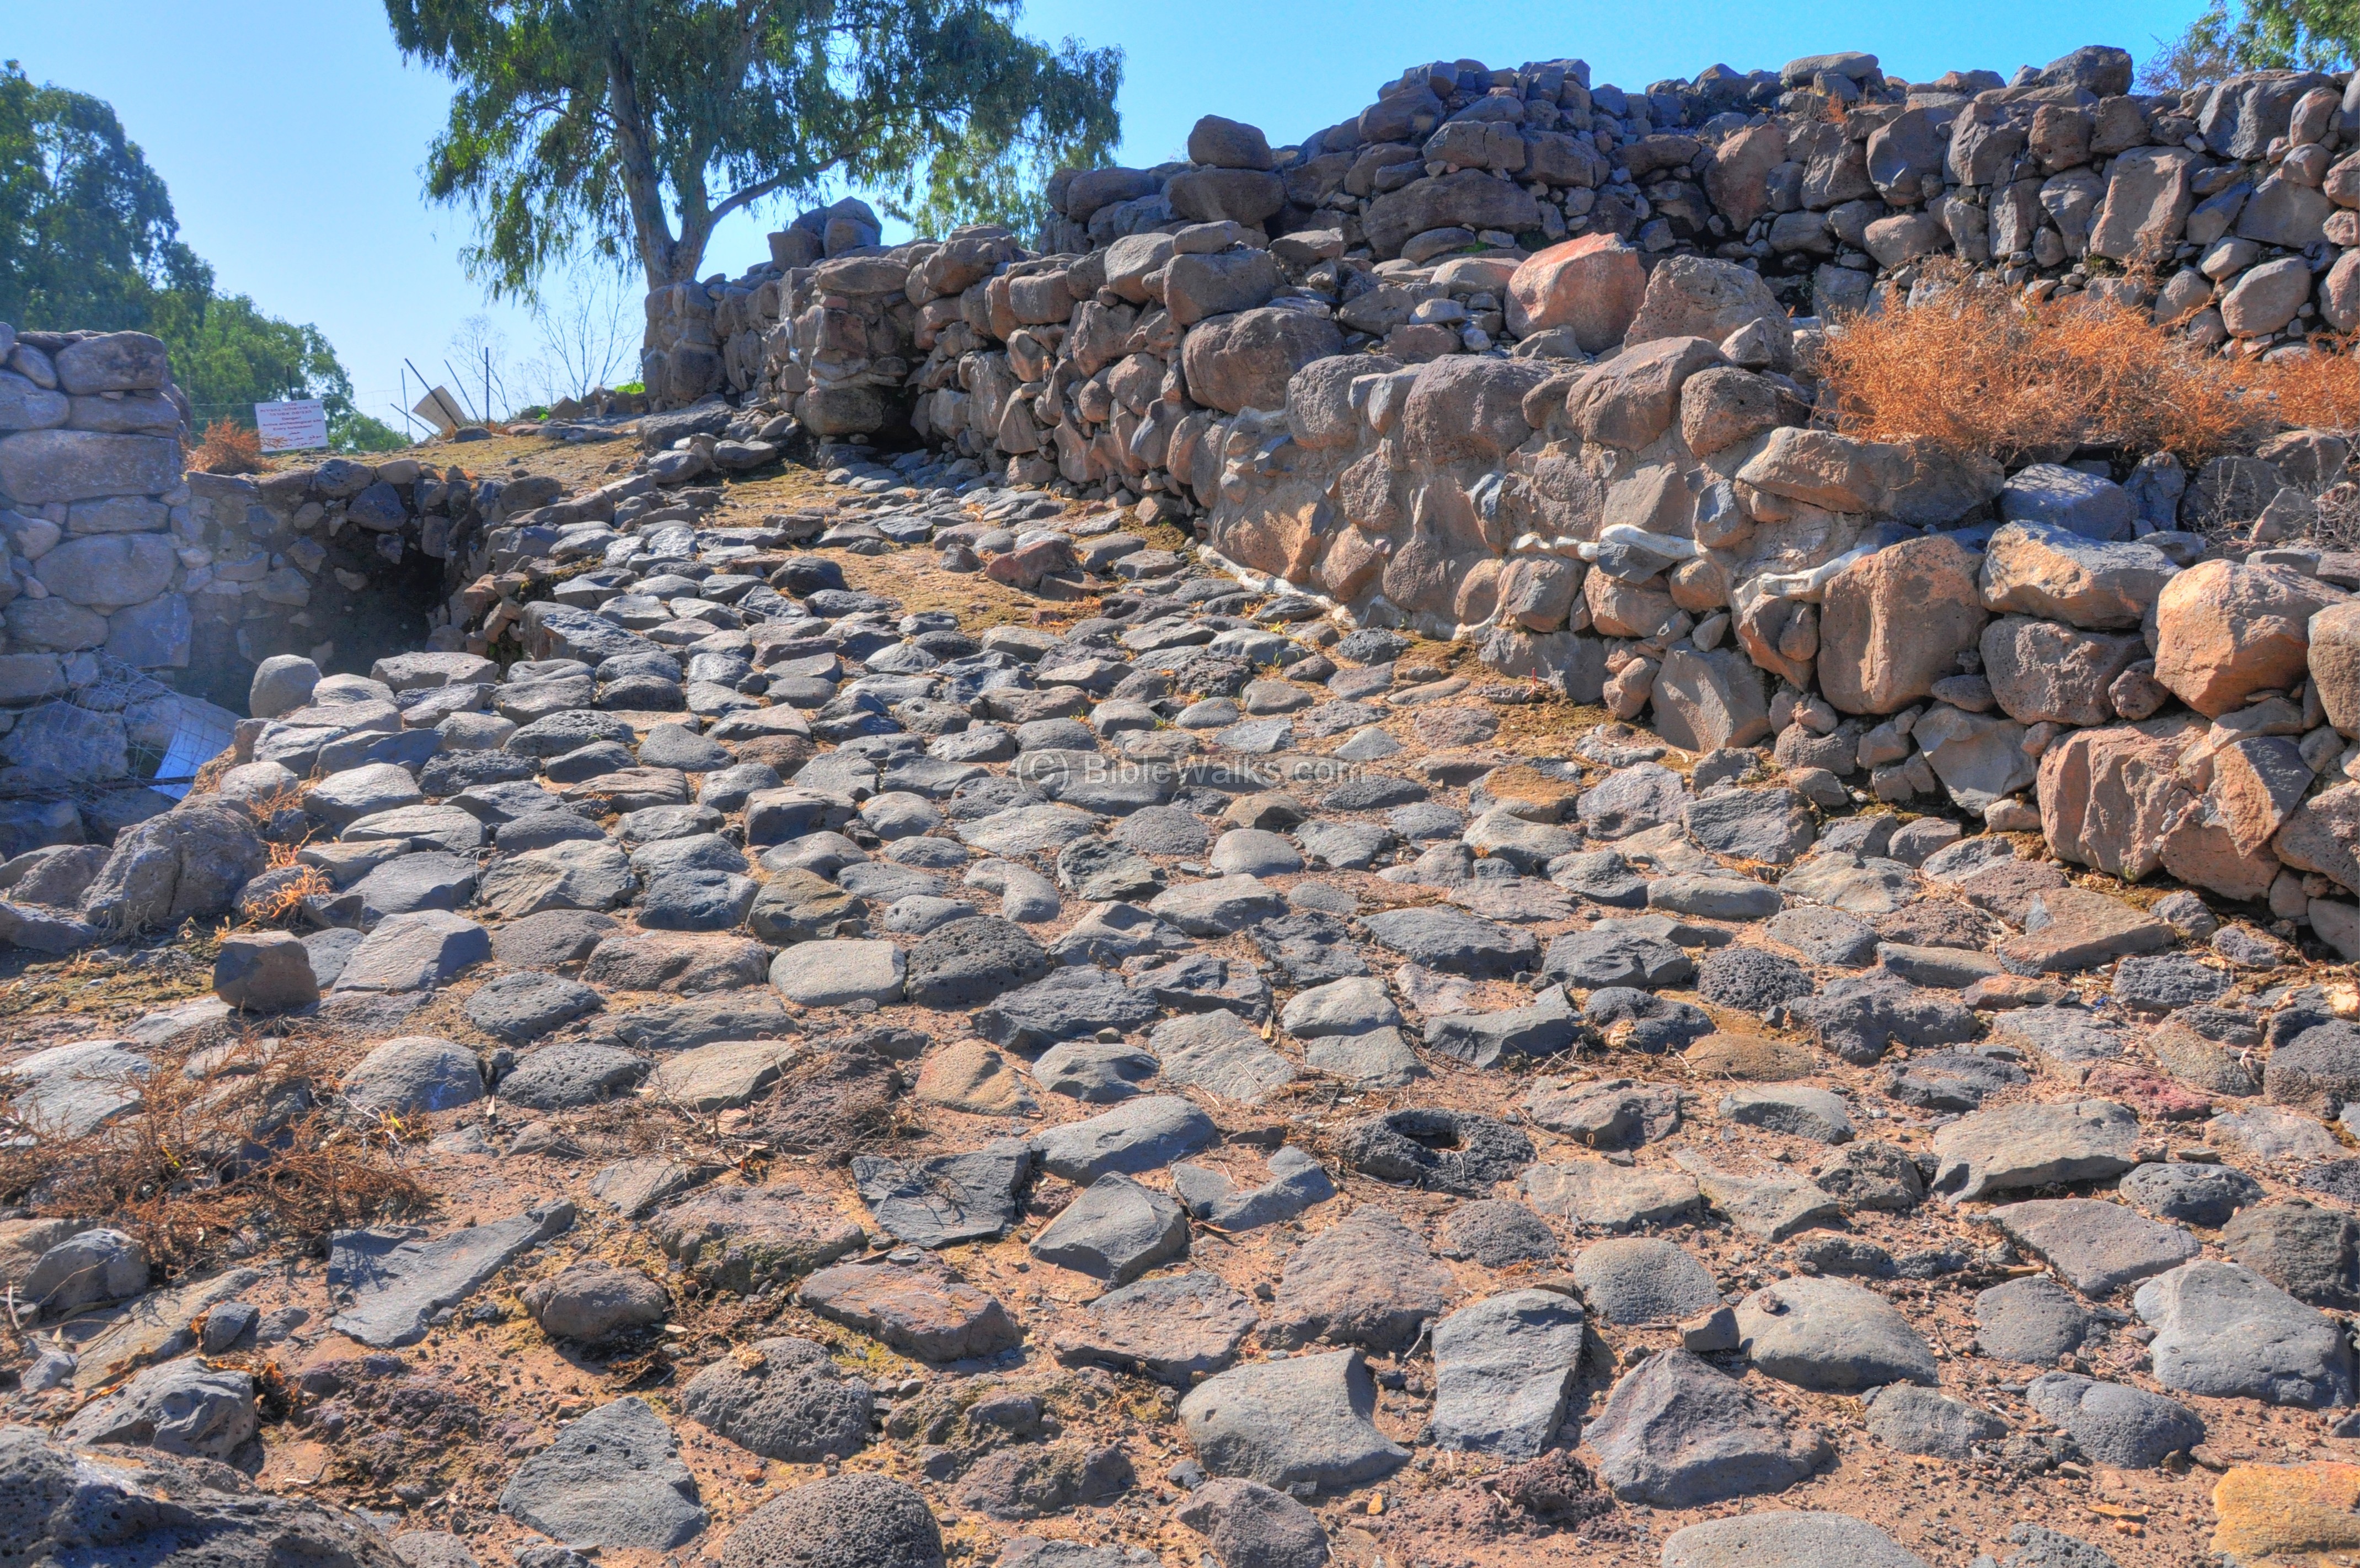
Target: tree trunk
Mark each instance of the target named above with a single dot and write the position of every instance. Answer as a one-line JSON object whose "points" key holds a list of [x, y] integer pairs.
{"points": [[660, 254]]}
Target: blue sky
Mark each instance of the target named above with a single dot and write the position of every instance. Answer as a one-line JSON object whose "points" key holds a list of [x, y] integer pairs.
{"points": [[293, 133]]}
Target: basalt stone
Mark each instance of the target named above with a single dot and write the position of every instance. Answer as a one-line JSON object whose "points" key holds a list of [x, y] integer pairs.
{"points": [[1447, 1151], [1678, 1432], [1367, 1281], [2032, 1321], [2115, 1424], [1831, 1336], [1303, 1419], [790, 1403], [1751, 981], [2204, 1195]]}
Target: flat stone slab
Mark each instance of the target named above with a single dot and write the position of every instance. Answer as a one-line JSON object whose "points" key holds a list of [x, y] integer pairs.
{"points": [[1176, 1329], [1503, 1369], [1366, 1281], [1678, 1432], [153, 1326], [1485, 1039], [2034, 1146], [2032, 1321], [1640, 1280], [613, 1479], [69, 1091], [1831, 1337], [1793, 1109], [1068, 1003], [1218, 906], [1303, 1419], [1455, 943], [1770, 1209], [922, 1311], [1612, 1197], [415, 953], [841, 970], [2098, 1247], [948, 1198], [1910, 1420], [2224, 1330], [1767, 1539], [1296, 1182], [723, 1075], [2127, 1428], [1145, 1134], [741, 1238], [394, 1282], [1117, 1230], [1223, 1055]]}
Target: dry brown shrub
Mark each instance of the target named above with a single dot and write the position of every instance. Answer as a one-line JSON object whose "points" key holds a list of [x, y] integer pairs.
{"points": [[241, 1155], [1979, 369], [228, 448], [2318, 390]]}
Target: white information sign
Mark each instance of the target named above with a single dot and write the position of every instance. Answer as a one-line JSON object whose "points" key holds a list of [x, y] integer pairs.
{"points": [[292, 427]]}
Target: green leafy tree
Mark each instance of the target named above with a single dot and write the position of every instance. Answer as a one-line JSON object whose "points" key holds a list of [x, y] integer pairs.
{"points": [[88, 239], [634, 126], [87, 235], [2265, 35]]}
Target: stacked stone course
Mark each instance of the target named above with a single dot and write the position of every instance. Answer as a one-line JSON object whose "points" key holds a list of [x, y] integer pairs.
{"points": [[138, 599], [1518, 359]]}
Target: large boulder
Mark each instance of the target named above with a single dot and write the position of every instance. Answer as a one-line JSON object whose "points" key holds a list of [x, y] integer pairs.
{"points": [[1593, 285], [2084, 503], [1910, 480], [1197, 287], [2042, 671], [38, 467], [2333, 659], [1630, 401], [1462, 406], [2146, 205], [1699, 296], [1738, 178], [1894, 624], [189, 862], [1466, 199], [1226, 195], [2052, 571], [1233, 362], [2109, 795], [1706, 699], [109, 569], [2225, 631]]}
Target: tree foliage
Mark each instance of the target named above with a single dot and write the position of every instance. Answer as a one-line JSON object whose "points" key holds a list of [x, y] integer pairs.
{"points": [[87, 235], [631, 128], [2265, 35], [88, 240]]}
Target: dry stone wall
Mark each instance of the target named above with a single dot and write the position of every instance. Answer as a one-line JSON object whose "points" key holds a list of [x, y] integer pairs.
{"points": [[1516, 358], [139, 599]]}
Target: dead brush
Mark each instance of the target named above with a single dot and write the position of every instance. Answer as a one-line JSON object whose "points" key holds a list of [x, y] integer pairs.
{"points": [[228, 448], [283, 902], [1978, 369], [241, 1156], [2318, 389]]}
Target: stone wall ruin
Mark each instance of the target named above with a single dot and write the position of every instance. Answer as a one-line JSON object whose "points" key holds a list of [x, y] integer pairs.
{"points": [[1518, 359]]}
